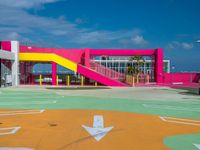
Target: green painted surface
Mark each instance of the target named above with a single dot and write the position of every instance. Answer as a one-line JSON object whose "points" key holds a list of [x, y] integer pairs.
{"points": [[45, 100], [183, 142]]}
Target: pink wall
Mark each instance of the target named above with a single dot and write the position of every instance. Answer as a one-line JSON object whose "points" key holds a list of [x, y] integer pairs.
{"points": [[121, 52], [6, 45], [75, 55], [181, 77]]}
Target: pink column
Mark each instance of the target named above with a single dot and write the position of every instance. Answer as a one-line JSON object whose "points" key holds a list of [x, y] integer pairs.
{"points": [[54, 68], [87, 58], [159, 65]]}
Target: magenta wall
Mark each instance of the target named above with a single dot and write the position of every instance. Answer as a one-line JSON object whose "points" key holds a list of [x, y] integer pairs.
{"points": [[6, 45], [121, 52], [181, 77]]}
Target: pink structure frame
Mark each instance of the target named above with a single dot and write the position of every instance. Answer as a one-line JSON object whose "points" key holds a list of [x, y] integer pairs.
{"points": [[83, 56], [157, 55]]}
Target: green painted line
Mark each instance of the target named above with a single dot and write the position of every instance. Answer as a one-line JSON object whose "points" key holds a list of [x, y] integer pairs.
{"points": [[183, 142]]}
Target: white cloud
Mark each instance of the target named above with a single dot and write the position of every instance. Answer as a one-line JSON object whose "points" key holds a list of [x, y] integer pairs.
{"points": [[21, 25], [102, 36], [25, 3], [180, 45], [187, 45], [136, 40]]}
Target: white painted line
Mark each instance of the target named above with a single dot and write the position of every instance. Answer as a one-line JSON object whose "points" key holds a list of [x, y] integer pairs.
{"points": [[12, 148], [197, 146], [98, 122], [180, 121], [13, 130], [32, 97], [28, 103], [20, 112], [97, 131], [171, 107], [173, 118]]}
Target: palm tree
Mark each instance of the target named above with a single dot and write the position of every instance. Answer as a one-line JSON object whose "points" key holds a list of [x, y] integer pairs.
{"points": [[139, 62]]}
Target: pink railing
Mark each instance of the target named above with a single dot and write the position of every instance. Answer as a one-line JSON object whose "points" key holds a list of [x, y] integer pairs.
{"points": [[107, 71]]}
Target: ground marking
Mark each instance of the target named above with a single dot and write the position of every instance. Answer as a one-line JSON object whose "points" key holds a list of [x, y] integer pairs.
{"points": [[171, 107], [197, 146], [20, 112], [181, 121], [28, 103], [33, 97], [19, 148], [97, 131], [13, 130]]}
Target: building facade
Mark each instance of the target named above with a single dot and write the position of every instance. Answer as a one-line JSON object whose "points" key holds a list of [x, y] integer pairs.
{"points": [[9, 63], [18, 64]]}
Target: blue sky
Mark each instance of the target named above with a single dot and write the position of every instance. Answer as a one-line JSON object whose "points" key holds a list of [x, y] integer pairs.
{"points": [[173, 25]]}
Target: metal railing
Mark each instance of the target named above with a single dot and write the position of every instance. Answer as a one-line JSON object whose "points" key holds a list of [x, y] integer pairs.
{"points": [[106, 71]]}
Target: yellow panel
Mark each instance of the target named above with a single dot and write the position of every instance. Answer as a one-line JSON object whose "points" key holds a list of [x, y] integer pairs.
{"points": [[65, 63], [36, 57], [44, 57]]}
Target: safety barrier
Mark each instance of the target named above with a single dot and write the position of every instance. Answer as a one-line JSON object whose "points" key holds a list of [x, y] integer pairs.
{"points": [[107, 71]]}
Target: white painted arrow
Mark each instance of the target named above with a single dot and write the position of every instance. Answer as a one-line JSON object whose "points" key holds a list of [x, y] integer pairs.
{"points": [[97, 131], [197, 145]]}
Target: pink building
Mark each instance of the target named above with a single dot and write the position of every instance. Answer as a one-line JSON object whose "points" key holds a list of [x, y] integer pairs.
{"points": [[80, 61]]}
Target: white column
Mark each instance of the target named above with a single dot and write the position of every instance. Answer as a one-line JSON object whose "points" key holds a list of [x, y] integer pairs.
{"points": [[15, 63]]}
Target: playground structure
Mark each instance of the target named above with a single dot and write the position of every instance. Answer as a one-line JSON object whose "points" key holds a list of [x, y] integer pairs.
{"points": [[80, 62]]}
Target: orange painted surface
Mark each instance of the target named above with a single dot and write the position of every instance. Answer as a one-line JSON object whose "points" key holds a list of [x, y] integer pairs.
{"points": [[61, 129]]}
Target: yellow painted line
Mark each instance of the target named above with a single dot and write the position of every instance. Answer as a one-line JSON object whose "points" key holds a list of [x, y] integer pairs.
{"points": [[44, 57]]}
